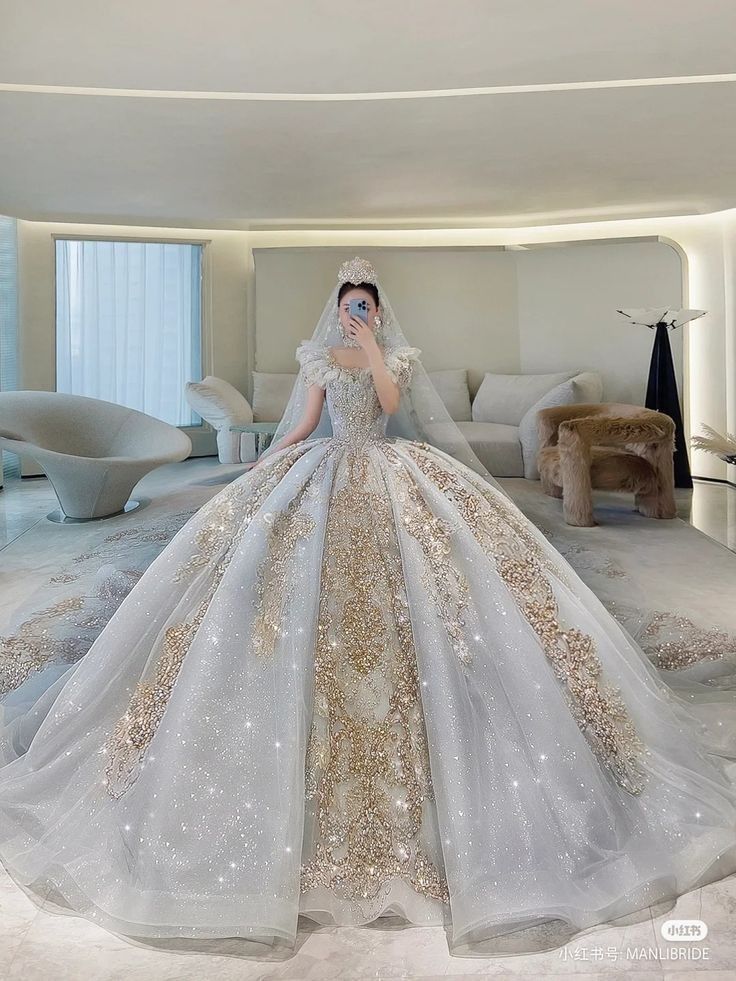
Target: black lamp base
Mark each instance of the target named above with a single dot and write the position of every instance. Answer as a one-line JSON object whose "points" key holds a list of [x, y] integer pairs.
{"points": [[662, 396]]}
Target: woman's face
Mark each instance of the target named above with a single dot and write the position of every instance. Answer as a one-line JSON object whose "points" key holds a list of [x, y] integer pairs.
{"points": [[370, 312]]}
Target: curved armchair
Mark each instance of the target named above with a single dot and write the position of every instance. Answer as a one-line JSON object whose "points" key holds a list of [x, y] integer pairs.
{"points": [[612, 446], [93, 452]]}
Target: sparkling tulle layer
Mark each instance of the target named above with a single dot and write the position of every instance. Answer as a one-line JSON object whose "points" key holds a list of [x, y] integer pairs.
{"points": [[168, 784]]}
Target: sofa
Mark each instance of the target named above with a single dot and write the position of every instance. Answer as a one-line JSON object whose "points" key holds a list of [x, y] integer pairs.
{"points": [[499, 421]]}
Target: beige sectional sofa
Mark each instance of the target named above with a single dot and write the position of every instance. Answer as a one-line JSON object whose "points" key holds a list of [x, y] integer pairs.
{"points": [[499, 422]]}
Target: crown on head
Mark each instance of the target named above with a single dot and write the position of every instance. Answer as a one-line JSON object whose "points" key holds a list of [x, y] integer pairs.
{"points": [[356, 271]]}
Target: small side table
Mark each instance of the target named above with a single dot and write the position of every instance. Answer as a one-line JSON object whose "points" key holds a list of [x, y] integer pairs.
{"points": [[264, 433]]}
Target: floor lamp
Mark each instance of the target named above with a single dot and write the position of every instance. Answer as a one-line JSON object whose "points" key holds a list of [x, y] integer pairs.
{"points": [[662, 384]]}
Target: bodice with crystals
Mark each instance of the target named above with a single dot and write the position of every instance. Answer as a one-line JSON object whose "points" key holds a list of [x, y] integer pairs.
{"points": [[352, 400]]}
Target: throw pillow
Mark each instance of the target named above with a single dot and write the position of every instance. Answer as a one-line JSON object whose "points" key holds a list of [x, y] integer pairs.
{"points": [[506, 398], [565, 393], [452, 386], [218, 402]]}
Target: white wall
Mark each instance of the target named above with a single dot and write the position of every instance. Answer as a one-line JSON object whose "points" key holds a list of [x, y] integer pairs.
{"points": [[568, 298]]}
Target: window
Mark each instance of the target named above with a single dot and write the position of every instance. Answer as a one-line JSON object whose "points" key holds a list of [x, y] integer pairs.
{"points": [[128, 324]]}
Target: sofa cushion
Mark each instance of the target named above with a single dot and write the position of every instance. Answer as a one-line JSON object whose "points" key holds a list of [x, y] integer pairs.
{"points": [[218, 402], [585, 387], [564, 394], [452, 386], [496, 445], [271, 391], [506, 398], [588, 387]]}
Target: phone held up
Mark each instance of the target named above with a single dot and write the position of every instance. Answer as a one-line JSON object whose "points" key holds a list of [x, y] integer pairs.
{"points": [[359, 308]]}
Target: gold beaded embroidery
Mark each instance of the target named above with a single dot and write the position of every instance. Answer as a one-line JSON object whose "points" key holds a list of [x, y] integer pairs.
{"points": [[227, 514], [599, 710], [32, 647], [354, 407], [692, 643], [134, 731], [276, 572], [441, 576], [127, 743], [367, 758]]}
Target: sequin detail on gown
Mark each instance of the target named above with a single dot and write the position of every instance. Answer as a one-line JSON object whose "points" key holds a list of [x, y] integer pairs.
{"points": [[367, 764], [368, 772]]}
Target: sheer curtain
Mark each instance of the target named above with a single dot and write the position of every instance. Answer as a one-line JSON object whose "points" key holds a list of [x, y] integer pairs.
{"points": [[8, 325], [128, 323]]}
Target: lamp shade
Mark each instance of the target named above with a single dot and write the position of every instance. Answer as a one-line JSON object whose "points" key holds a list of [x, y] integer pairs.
{"points": [[651, 316]]}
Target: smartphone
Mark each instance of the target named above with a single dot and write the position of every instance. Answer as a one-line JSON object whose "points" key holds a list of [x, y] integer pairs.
{"points": [[359, 308]]}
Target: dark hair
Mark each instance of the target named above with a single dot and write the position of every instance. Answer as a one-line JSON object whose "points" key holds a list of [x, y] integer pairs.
{"points": [[369, 287]]}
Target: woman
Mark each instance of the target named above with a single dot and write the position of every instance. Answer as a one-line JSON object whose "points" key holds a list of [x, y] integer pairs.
{"points": [[359, 682]]}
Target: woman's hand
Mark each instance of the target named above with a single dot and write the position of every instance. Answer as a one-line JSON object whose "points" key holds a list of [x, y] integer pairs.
{"points": [[362, 333]]}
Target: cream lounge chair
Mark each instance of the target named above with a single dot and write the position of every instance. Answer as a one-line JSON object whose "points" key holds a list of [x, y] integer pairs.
{"points": [[93, 452]]}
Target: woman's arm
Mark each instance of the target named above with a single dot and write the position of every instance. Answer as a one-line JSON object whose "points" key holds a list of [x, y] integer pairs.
{"points": [[388, 387], [389, 394]]}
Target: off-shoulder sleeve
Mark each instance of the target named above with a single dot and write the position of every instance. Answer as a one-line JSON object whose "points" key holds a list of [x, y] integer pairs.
{"points": [[312, 358], [399, 363]]}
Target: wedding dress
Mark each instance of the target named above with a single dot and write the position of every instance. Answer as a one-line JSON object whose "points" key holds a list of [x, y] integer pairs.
{"points": [[359, 682]]}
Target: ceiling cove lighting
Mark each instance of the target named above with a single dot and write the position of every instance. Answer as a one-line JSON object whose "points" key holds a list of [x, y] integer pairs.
{"points": [[615, 83]]}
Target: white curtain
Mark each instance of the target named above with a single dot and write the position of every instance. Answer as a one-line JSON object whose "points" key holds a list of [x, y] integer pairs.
{"points": [[8, 326], [128, 324]]}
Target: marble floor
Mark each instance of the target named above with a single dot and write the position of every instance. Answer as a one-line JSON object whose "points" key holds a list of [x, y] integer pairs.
{"points": [[40, 945]]}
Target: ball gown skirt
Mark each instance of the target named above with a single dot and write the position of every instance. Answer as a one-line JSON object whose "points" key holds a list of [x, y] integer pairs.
{"points": [[359, 682]]}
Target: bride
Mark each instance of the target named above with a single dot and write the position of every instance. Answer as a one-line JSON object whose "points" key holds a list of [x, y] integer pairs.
{"points": [[359, 682]]}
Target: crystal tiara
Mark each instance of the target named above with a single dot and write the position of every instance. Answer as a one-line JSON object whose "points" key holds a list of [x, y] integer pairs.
{"points": [[356, 271]]}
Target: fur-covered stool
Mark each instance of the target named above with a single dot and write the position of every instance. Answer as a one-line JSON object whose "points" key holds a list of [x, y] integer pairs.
{"points": [[607, 446]]}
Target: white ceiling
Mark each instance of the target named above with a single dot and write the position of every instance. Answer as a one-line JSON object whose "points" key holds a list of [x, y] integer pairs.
{"points": [[305, 157]]}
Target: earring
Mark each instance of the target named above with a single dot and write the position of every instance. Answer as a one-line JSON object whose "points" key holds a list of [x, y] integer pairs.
{"points": [[378, 322]]}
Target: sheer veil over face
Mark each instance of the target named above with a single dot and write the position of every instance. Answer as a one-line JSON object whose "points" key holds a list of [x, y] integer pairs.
{"points": [[422, 414]]}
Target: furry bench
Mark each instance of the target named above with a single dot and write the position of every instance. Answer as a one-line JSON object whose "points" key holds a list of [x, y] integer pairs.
{"points": [[609, 446]]}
